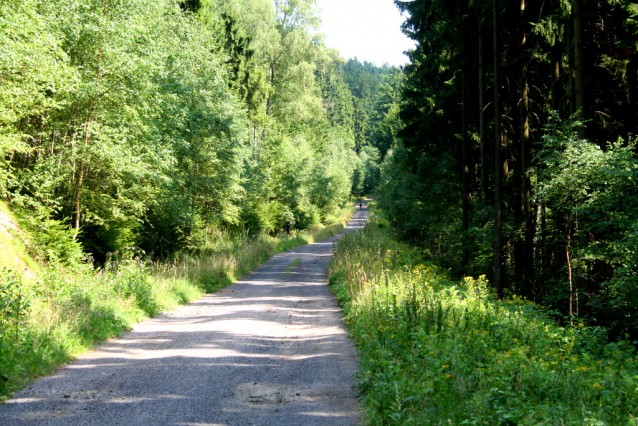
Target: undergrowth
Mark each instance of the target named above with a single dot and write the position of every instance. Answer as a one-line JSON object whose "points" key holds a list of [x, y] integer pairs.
{"points": [[44, 322], [218, 259], [438, 352]]}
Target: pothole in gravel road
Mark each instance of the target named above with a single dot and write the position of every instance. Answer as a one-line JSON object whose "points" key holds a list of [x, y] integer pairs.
{"points": [[267, 394]]}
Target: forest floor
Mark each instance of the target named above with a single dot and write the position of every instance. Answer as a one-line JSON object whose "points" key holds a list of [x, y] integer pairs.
{"points": [[271, 349]]}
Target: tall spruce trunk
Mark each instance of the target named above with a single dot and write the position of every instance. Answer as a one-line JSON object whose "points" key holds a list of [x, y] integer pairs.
{"points": [[481, 91], [632, 82], [570, 63], [466, 177], [498, 166], [527, 252], [579, 63], [557, 92]]}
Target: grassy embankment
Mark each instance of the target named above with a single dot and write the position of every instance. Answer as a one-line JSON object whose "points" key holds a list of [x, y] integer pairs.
{"points": [[438, 352], [63, 310]]}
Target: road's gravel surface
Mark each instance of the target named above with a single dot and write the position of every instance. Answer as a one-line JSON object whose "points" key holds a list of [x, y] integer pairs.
{"points": [[269, 350]]}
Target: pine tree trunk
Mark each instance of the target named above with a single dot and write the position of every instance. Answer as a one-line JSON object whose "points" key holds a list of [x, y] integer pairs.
{"points": [[556, 87], [579, 64], [632, 82], [498, 170], [481, 90], [466, 179], [570, 60], [528, 258]]}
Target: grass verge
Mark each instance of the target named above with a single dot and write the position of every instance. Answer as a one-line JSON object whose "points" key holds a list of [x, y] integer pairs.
{"points": [[45, 322], [221, 259], [437, 352]]}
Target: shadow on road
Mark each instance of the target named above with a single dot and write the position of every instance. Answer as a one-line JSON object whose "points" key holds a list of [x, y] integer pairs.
{"points": [[269, 350]]}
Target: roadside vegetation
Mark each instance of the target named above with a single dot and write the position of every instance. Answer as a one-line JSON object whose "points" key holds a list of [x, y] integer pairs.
{"points": [[153, 151], [47, 320], [440, 351]]}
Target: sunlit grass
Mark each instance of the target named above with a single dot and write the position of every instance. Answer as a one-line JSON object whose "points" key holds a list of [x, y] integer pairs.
{"points": [[47, 321], [222, 258], [13, 252]]}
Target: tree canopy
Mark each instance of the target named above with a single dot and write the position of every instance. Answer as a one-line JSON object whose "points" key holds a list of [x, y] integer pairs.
{"points": [[139, 123]]}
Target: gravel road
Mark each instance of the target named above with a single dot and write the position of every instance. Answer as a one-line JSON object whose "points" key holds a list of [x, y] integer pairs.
{"points": [[269, 350]]}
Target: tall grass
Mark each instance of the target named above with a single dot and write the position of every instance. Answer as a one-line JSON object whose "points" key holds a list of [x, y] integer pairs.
{"points": [[218, 257], [45, 322], [437, 352], [66, 311]]}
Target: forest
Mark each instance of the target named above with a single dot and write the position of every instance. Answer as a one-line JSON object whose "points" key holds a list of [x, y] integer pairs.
{"points": [[147, 124], [516, 155], [153, 151], [496, 282]]}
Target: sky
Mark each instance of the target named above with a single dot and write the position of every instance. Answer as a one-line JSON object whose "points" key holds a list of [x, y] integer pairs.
{"points": [[367, 29]]}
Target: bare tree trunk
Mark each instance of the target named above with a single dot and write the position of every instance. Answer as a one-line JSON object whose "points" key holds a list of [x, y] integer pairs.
{"points": [[466, 179], [481, 89], [579, 63], [632, 82], [569, 268], [556, 87], [271, 75], [76, 198], [528, 258], [80, 178], [570, 60], [498, 170], [545, 251]]}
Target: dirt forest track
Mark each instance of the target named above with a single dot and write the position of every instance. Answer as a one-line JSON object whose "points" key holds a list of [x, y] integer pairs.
{"points": [[269, 350]]}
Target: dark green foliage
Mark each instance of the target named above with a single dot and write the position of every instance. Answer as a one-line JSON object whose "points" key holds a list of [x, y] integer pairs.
{"points": [[367, 174], [191, 5], [596, 192], [365, 81], [567, 232], [338, 98]]}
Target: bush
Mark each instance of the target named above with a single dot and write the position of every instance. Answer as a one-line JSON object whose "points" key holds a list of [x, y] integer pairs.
{"points": [[130, 277]]}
